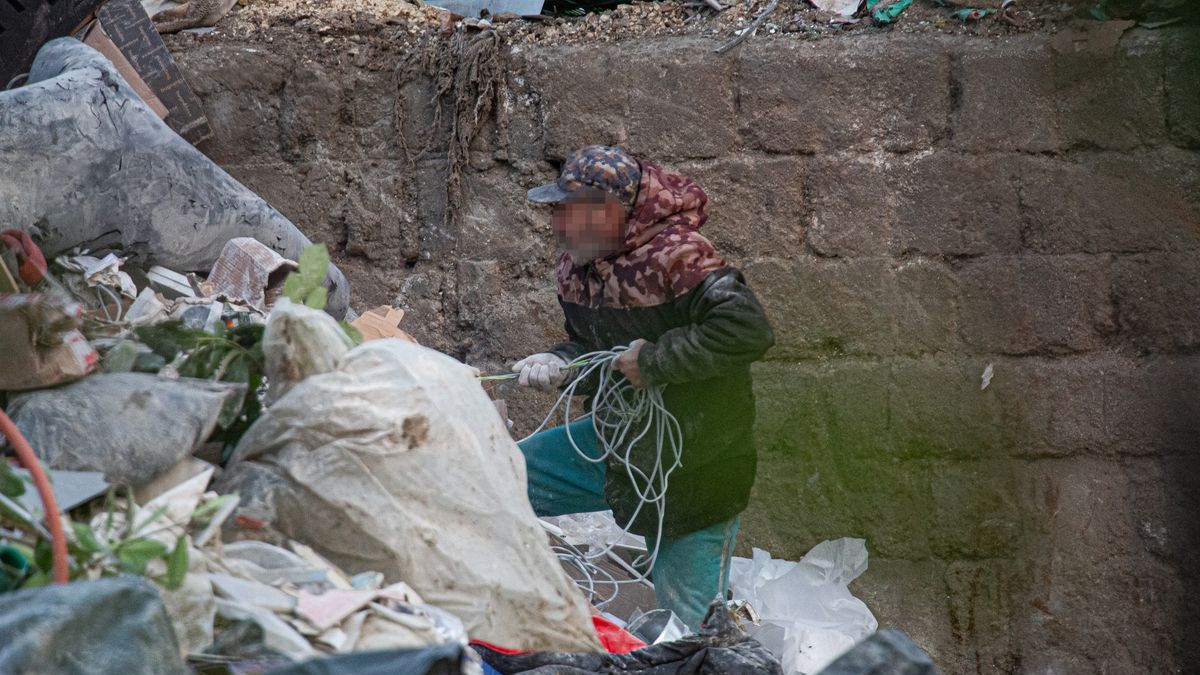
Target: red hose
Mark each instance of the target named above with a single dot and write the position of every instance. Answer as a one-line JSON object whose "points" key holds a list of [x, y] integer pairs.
{"points": [[58, 541]]}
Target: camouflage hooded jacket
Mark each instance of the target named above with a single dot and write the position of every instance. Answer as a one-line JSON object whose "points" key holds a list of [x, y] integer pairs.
{"points": [[704, 328]]}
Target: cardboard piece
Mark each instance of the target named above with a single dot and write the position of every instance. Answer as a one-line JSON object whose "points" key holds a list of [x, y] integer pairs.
{"points": [[380, 323], [248, 270], [39, 346]]}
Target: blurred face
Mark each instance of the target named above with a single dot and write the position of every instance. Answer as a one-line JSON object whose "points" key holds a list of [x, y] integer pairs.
{"points": [[589, 225]]}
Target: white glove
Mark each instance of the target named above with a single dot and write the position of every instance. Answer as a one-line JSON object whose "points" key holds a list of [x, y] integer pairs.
{"points": [[541, 371]]}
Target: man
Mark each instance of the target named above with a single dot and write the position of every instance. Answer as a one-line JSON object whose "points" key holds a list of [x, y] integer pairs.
{"points": [[635, 271]]}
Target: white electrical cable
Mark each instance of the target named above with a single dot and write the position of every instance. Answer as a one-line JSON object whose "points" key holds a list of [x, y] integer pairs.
{"points": [[588, 573], [622, 416]]}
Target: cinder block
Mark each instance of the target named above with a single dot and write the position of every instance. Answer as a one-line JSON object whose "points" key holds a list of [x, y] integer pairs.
{"points": [[374, 112], [810, 97], [238, 89], [1153, 406], [838, 406], [1088, 545], [756, 205], [850, 207], [418, 103], [1036, 304], [911, 595], [1183, 87], [309, 112], [937, 409], [977, 510], [378, 223], [984, 598], [826, 308], [1006, 96], [583, 94], [881, 500], [926, 307], [1165, 496], [438, 232], [429, 297], [956, 205], [522, 108], [1111, 203], [499, 223], [1067, 415], [682, 103], [1110, 95], [1158, 301]]}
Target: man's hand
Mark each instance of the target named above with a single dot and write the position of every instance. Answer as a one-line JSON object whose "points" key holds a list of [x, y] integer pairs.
{"points": [[627, 364], [541, 371]]}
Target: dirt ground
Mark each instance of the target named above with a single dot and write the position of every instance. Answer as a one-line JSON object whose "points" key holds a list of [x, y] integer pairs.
{"points": [[414, 23]]}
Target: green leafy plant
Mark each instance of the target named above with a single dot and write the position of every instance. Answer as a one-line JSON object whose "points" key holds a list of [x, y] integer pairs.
{"points": [[230, 355], [121, 544], [307, 284], [11, 484]]}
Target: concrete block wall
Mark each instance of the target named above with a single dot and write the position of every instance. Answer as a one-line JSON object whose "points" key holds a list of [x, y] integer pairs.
{"points": [[911, 210]]}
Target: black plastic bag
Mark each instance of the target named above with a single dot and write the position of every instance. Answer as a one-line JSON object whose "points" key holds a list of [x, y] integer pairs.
{"points": [[435, 660], [888, 652], [100, 627]]}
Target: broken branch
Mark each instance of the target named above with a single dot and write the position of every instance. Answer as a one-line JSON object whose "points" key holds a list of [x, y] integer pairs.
{"points": [[750, 30]]}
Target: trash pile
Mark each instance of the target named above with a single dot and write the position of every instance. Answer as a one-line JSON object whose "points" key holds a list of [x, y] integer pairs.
{"points": [[332, 27], [221, 468]]}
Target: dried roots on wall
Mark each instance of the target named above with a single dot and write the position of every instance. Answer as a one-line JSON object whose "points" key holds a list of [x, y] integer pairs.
{"points": [[467, 69]]}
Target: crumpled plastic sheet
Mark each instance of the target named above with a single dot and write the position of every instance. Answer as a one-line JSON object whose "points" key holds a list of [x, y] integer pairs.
{"points": [[808, 617]]}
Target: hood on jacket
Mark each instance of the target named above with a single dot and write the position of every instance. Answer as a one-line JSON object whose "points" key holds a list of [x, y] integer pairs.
{"points": [[664, 199]]}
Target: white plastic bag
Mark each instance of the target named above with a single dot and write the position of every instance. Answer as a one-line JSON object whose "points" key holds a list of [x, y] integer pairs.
{"points": [[808, 616], [396, 461], [297, 343]]}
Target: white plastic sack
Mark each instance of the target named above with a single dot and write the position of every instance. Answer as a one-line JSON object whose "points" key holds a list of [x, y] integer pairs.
{"points": [[297, 343], [396, 461], [808, 616]]}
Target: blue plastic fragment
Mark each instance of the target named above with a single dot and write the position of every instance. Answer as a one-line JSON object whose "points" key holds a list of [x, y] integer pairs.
{"points": [[889, 13]]}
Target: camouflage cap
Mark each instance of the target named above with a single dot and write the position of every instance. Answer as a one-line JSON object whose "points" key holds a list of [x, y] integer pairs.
{"points": [[597, 166]]}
